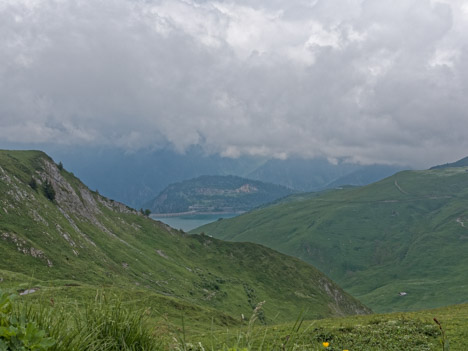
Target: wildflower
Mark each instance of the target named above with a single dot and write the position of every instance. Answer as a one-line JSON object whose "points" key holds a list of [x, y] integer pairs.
{"points": [[325, 344]]}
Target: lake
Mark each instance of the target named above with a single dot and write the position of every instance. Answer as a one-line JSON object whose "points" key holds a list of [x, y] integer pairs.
{"points": [[189, 222]]}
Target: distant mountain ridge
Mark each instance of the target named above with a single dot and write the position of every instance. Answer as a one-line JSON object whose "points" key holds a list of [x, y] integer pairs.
{"points": [[58, 236], [364, 175], [216, 194], [460, 163], [136, 178], [320, 174]]}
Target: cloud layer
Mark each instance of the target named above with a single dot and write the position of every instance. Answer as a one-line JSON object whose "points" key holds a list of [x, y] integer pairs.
{"points": [[368, 81]]}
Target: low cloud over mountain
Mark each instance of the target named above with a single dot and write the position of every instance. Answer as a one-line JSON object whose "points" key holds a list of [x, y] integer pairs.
{"points": [[361, 80]]}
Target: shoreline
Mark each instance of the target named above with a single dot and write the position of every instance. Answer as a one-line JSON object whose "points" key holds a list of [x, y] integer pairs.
{"points": [[193, 213]]}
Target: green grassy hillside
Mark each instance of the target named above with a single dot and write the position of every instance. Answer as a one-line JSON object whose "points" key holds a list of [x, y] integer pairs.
{"points": [[407, 233], [73, 241], [216, 194]]}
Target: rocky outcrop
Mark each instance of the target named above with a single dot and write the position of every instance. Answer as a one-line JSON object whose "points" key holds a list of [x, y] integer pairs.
{"points": [[26, 248]]}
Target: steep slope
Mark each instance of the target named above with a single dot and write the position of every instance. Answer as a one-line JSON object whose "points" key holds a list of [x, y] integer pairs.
{"points": [[216, 194], [78, 238], [407, 233]]}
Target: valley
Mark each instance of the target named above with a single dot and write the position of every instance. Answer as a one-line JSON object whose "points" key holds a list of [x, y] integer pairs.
{"points": [[137, 178], [67, 249], [78, 238]]}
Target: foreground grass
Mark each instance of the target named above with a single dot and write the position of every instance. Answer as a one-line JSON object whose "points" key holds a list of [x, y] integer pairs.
{"points": [[376, 332], [105, 322]]}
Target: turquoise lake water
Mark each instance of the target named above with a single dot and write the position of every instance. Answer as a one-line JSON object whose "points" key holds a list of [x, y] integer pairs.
{"points": [[189, 222]]}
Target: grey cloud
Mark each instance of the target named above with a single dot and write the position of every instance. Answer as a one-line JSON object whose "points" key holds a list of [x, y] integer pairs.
{"points": [[361, 80]]}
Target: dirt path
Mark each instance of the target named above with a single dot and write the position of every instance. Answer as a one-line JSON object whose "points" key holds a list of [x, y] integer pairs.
{"points": [[399, 188]]}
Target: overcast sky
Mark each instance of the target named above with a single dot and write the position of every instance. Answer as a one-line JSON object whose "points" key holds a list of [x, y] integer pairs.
{"points": [[367, 81]]}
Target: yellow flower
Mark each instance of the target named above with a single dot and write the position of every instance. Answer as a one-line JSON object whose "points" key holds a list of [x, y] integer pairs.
{"points": [[325, 344]]}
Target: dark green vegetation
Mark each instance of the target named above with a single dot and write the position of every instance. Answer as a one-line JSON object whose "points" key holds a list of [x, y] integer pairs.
{"points": [[48, 189], [18, 332], [216, 194], [407, 233], [66, 248]]}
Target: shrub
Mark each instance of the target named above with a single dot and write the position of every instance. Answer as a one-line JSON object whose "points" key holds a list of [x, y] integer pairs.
{"points": [[19, 333], [146, 212], [49, 191], [33, 184]]}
